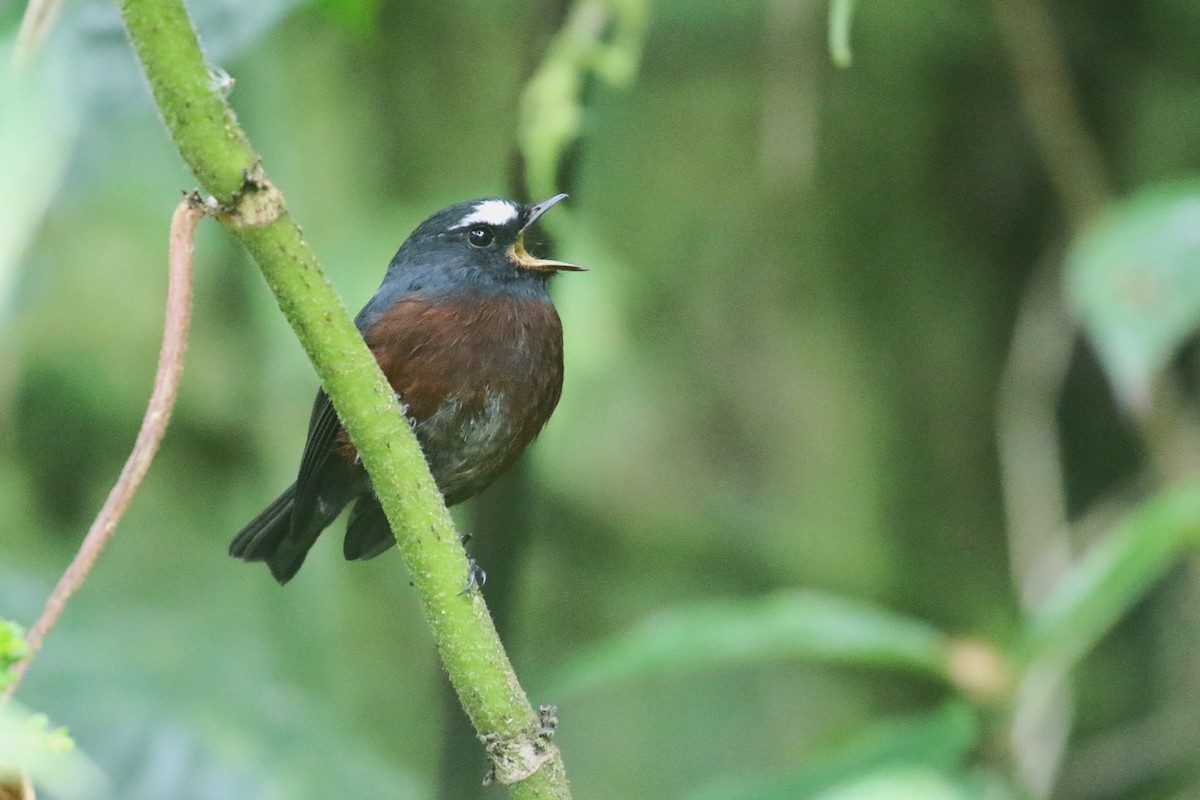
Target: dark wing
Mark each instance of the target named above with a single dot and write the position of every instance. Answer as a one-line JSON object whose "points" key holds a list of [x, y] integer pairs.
{"points": [[261, 537], [326, 483], [328, 480], [319, 448], [368, 533], [285, 531]]}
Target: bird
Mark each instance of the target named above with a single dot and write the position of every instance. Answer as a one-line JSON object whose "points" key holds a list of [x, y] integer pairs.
{"points": [[464, 330]]}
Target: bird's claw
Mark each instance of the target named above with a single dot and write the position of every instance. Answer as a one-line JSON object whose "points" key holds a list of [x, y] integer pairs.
{"points": [[476, 576]]}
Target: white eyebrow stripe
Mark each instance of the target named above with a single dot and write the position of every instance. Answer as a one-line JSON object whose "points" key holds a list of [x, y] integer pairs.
{"points": [[490, 212]]}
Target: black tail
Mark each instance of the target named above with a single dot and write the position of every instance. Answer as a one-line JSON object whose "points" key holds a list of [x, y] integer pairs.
{"points": [[258, 540], [367, 533], [272, 536]]}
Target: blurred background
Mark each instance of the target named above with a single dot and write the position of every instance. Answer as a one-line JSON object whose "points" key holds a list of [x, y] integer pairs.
{"points": [[855, 488]]}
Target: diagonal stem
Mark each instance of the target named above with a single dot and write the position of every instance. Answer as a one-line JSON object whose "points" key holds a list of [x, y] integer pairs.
{"points": [[216, 149], [154, 425]]}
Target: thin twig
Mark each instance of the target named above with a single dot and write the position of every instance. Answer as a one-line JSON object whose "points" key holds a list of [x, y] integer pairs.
{"points": [[1031, 471], [154, 425], [1027, 427], [1070, 153], [1035, 508], [35, 27]]}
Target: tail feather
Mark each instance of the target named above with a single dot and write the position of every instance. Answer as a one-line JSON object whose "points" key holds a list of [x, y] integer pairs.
{"points": [[367, 533], [279, 538], [258, 540]]}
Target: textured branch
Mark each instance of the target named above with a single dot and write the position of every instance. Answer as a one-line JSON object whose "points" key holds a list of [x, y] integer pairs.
{"points": [[213, 145]]}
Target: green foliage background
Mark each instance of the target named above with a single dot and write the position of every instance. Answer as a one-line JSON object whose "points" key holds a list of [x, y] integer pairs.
{"points": [[783, 374]]}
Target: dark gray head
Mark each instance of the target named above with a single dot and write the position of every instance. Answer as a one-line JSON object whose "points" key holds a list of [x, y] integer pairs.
{"points": [[478, 244]]}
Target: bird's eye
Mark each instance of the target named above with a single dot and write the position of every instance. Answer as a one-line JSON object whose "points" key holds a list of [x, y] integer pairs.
{"points": [[480, 236]]}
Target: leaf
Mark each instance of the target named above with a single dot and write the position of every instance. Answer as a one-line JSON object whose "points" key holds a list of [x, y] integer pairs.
{"points": [[801, 625], [12, 649], [934, 744], [356, 16], [1112, 576], [78, 79], [912, 783], [38, 126], [29, 746], [1133, 280], [601, 39], [840, 14]]}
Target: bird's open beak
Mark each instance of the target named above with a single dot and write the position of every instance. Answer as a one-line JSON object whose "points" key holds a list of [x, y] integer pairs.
{"points": [[521, 257]]}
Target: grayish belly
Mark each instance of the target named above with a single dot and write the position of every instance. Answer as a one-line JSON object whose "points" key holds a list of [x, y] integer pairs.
{"points": [[466, 446]]}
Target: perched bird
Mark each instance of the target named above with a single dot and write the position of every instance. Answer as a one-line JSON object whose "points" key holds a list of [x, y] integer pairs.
{"points": [[464, 330]]}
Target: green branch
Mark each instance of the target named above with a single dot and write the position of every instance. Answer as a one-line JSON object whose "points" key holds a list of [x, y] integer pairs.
{"points": [[218, 152]]}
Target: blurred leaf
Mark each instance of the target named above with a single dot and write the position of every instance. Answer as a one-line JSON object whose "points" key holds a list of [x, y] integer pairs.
{"points": [[910, 783], [47, 755], [38, 125], [840, 14], [85, 71], [600, 38], [12, 649], [215, 718], [786, 625], [160, 757], [1133, 280], [105, 81], [936, 743], [1112, 576], [356, 16]]}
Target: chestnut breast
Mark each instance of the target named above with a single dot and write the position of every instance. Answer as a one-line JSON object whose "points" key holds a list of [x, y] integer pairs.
{"points": [[479, 375]]}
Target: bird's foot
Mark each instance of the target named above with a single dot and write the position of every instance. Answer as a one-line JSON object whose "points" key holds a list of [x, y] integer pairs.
{"points": [[476, 575]]}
